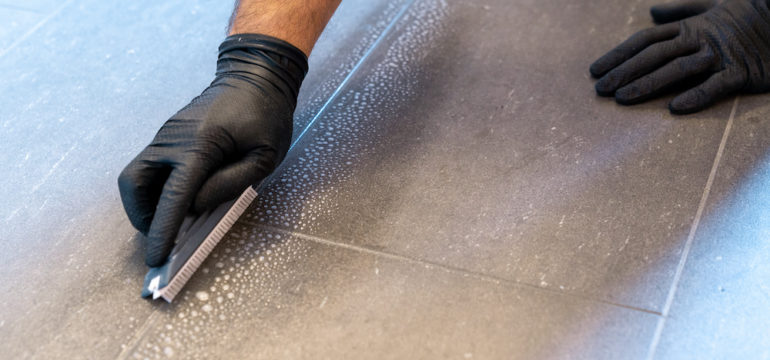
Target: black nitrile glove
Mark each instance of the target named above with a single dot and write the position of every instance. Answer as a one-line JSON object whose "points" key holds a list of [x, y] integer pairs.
{"points": [[728, 42], [231, 136]]}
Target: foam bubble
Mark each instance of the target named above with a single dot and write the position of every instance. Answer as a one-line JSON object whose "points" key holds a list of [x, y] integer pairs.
{"points": [[247, 274], [202, 295]]}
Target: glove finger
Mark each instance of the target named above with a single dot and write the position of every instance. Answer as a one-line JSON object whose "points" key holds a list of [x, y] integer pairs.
{"points": [[704, 95], [679, 10], [229, 182], [140, 185], [659, 80], [643, 63], [174, 204], [632, 46]]}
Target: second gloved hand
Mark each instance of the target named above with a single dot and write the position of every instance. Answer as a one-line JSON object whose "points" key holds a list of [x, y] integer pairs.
{"points": [[726, 42], [231, 136]]}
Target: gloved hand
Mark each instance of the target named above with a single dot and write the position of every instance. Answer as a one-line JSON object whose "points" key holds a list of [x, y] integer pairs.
{"points": [[231, 136], [727, 41]]}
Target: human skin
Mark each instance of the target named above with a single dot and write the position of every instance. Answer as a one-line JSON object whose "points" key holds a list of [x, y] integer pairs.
{"points": [[298, 22], [236, 132]]}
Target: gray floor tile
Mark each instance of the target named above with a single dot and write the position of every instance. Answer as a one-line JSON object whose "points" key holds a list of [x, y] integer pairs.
{"points": [[467, 153], [83, 97], [71, 265], [339, 50], [720, 310], [16, 23], [268, 295], [458, 146]]}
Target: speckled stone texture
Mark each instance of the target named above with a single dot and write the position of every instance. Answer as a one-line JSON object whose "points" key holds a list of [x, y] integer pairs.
{"points": [[456, 190]]}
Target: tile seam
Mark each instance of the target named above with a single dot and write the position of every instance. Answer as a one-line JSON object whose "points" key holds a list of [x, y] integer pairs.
{"points": [[354, 70], [139, 335], [34, 29], [152, 318], [457, 270], [342, 84], [691, 235]]}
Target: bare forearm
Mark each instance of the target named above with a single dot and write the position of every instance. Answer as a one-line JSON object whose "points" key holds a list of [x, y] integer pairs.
{"points": [[299, 22]]}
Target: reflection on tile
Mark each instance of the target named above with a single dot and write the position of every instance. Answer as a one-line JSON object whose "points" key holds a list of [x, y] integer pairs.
{"points": [[16, 23], [451, 147], [37, 6], [720, 310], [339, 50], [469, 144], [270, 295], [81, 98]]}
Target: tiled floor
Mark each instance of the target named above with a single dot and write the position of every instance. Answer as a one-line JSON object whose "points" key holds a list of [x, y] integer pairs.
{"points": [[16, 23], [456, 190]]}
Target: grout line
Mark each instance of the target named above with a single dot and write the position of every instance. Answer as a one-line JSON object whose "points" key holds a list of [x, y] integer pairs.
{"points": [[139, 334], [691, 235], [353, 71], [35, 28], [477, 275], [338, 90], [151, 319]]}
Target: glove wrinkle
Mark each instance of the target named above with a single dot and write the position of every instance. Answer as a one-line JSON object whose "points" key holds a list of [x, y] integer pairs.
{"points": [[670, 12], [234, 134], [728, 40]]}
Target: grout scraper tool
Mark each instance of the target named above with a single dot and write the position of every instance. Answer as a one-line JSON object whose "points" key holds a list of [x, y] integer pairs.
{"points": [[196, 239]]}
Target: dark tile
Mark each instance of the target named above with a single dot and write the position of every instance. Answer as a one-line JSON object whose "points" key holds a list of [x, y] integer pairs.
{"points": [[271, 295], [81, 96], [457, 145], [348, 38], [720, 308]]}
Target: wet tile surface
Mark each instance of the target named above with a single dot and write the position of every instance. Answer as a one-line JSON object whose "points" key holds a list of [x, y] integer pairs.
{"points": [[270, 295], [354, 29], [70, 259], [83, 98], [720, 310], [463, 194], [464, 146]]}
